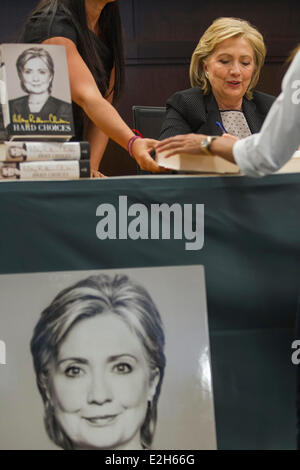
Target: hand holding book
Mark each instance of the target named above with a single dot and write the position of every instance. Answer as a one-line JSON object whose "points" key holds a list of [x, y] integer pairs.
{"points": [[187, 143], [187, 153], [192, 144]]}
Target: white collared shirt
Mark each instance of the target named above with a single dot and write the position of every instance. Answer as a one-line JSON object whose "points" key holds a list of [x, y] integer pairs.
{"points": [[267, 151]]}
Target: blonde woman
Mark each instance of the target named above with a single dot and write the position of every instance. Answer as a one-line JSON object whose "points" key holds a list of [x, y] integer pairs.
{"points": [[224, 71], [98, 352], [264, 152]]}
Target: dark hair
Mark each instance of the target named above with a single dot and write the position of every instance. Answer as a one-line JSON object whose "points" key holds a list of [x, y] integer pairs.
{"points": [[110, 33], [33, 53], [8, 167], [93, 296]]}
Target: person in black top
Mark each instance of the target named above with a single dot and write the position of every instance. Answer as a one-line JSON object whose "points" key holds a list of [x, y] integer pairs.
{"points": [[90, 30]]}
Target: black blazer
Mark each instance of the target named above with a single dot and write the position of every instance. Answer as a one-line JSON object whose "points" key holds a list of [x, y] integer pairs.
{"points": [[190, 111]]}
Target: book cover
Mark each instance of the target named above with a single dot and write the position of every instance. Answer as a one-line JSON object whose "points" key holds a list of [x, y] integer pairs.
{"points": [[45, 170], [16, 151], [197, 163], [128, 359], [35, 93]]}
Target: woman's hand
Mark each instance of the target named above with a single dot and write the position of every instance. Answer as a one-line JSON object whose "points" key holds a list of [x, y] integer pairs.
{"points": [[191, 144], [96, 174], [141, 149], [188, 143]]}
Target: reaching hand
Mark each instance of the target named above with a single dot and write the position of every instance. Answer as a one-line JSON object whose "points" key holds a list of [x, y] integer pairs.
{"points": [[96, 174], [191, 144], [141, 151], [188, 143]]}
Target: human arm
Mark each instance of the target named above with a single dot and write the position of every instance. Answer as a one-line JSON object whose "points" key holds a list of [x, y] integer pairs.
{"points": [[269, 150], [85, 93], [98, 142], [191, 144], [96, 137]]}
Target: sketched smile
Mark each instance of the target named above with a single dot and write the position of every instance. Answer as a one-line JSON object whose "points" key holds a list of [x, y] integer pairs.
{"points": [[101, 420]]}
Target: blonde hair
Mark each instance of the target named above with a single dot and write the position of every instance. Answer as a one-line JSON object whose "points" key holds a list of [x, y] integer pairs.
{"points": [[293, 54], [218, 31]]}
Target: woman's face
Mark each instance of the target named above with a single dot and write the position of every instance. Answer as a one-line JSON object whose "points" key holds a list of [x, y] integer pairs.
{"points": [[230, 68], [36, 76], [9, 171], [100, 384]]}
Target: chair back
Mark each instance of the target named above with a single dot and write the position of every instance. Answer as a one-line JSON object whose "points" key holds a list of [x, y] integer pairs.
{"points": [[148, 120]]}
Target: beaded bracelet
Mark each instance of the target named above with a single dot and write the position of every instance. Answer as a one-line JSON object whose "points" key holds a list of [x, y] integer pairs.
{"points": [[131, 142]]}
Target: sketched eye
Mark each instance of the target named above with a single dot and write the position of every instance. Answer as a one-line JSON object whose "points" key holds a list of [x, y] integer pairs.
{"points": [[74, 372], [122, 368]]}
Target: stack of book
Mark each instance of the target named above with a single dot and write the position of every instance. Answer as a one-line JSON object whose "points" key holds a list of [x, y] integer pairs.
{"points": [[36, 120]]}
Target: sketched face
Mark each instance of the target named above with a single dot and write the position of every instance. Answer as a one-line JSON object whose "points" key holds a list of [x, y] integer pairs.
{"points": [[9, 171], [36, 77], [16, 152], [100, 385]]}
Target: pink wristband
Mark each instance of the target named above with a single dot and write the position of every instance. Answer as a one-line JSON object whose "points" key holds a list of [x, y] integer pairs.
{"points": [[130, 143]]}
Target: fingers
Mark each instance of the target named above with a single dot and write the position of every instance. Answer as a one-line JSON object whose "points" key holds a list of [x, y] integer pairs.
{"points": [[151, 142], [149, 164], [165, 144], [188, 143], [97, 174], [229, 136], [171, 149], [170, 152]]}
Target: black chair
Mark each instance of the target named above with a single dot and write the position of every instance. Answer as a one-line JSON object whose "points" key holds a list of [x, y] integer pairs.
{"points": [[148, 121]]}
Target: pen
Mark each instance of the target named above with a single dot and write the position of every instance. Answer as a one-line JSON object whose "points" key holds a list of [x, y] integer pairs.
{"points": [[221, 127]]}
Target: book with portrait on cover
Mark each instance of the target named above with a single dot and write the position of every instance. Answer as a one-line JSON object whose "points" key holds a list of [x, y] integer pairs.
{"points": [[19, 151], [34, 93], [45, 170], [108, 359]]}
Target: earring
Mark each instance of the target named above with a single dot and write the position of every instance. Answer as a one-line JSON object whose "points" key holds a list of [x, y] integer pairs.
{"points": [[207, 75]]}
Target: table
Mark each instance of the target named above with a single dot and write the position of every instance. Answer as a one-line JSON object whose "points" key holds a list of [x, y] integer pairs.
{"points": [[251, 255]]}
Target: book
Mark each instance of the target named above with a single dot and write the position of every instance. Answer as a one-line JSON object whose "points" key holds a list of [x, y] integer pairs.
{"points": [[217, 165], [185, 412], [45, 170], [197, 163], [34, 93], [292, 165], [15, 151]]}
